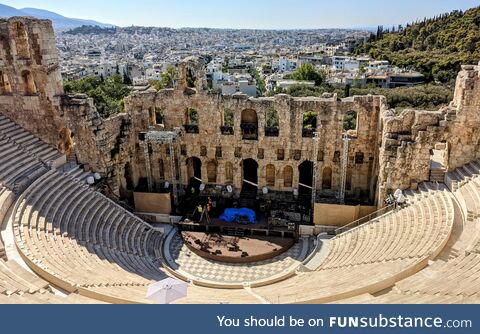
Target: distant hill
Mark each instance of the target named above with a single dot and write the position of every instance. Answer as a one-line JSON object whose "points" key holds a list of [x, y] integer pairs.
{"points": [[436, 47], [59, 22]]}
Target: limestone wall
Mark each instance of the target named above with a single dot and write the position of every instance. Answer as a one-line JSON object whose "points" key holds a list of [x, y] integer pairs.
{"points": [[30, 79], [388, 151], [288, 150], [408, 139]]}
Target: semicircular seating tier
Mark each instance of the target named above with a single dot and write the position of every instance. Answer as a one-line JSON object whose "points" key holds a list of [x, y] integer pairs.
{"points": [[455, 276], [374, 256], [79, 240]]}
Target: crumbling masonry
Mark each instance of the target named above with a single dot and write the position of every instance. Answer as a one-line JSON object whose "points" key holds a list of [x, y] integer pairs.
{"points": [[235, 142]]}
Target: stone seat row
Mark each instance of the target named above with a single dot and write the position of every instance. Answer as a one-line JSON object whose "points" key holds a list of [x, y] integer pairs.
{"points": [[25, 141], [374, 256], [415, 231], [455, 279], [79, 240]]}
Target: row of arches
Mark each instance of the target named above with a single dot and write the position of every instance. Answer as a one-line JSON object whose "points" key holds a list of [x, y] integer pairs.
{"points": [[250, 174], [28, 83], [20, 37], [249, 122]]}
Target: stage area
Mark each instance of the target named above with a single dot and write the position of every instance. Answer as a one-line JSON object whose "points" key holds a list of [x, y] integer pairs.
{"points": [[234, 249]]}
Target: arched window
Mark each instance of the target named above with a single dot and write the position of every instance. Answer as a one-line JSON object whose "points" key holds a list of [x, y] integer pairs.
{"points": [[271, 123], [191, 122], [5, 87], [350, 121], [309, 124], [228, 172], [359, 157], [327, 178], [270, 175], [228, 117], [288, 177], [3, 49], [192, 116], [249, 124], [212, 171], [190, 78], [21, 41], [159, 116], [227, 122], [320, 156], [152, 117], [28, 83]]}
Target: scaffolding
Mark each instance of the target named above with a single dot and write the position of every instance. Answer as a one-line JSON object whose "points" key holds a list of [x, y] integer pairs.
{"points": [[169, 138]]}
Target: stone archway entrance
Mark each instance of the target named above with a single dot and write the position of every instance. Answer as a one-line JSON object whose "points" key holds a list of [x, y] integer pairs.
{"points": [[305, 178], [250, 178], [194, 168]]}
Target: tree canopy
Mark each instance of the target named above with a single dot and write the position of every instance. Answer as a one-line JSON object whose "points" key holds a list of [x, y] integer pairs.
{"points": [[435, 47], [108, 94], [168, 79], [308, 72]]}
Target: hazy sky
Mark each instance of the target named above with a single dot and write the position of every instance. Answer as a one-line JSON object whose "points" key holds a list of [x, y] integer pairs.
{"points": [[264, 14]]}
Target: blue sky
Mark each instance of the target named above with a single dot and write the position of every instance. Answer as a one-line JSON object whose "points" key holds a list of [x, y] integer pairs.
{"points": [[263, 14]]}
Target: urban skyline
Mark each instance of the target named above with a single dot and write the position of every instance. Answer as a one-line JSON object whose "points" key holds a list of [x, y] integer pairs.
{"points": [[283, 14]]}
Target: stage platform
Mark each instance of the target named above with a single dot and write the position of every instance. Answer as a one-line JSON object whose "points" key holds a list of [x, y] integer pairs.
{"points": [[261, 228], [235, 249]]}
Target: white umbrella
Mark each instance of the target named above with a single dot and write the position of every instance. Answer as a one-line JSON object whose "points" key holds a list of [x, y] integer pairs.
{"points": [[167, 290]]}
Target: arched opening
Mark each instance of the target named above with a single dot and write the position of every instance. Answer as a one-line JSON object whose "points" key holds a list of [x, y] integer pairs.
{"points": [[348, 180], [151, 116], [350, 121], [29, 87], [212, 171], [5, 87], [309, 124], [272, 123], [190, 78], [359, 157], [159, 116], [270, 175], [327, 178], [228, 172], [21, 41], [227, 122], [250, 177], [249, 124], [320, 156], [305, 177], [288, 177], [191, 120], [161, 170], [194, 172], [3, 44]]}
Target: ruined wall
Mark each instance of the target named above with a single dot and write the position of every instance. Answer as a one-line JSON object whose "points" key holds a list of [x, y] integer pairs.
{"points": [[408, 139], [102, 145], [225, 152], [30, 79], [388, 151]]}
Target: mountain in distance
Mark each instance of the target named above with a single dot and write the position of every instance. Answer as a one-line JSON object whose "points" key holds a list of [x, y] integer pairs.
{"points": [[60, 22]]}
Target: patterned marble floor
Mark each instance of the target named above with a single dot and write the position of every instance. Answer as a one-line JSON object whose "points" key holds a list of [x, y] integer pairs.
{"points": [[210, 270]]}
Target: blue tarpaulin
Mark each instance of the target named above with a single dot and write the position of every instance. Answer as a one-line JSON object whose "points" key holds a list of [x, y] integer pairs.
{"points": [[242, 215]]}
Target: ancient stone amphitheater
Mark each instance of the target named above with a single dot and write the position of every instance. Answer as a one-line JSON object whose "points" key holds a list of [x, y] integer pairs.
{"points": [[64, 242]]}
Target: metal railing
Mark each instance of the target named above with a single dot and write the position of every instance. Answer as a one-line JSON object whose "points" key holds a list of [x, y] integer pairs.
{"points": [[365, 219]]}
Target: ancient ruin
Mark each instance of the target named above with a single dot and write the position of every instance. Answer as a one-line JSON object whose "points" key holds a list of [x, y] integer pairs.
{"points": [[187, 141]]}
